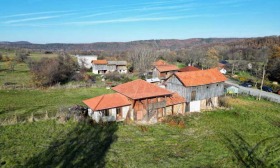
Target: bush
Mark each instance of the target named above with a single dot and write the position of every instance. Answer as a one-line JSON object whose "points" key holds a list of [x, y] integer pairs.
{"points": [[50, 71], [224, 102], [115, 76]]}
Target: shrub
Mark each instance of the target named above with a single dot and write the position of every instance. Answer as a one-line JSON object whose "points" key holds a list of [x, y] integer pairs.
{"points": [[224, 102], [50, 71]]}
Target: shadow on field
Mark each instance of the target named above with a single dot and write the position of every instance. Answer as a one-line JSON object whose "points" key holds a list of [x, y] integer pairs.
{"points": [[84, 146], [264, 153]]}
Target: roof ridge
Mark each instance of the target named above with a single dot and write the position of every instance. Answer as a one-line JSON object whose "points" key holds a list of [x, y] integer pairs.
{"points": [[100, 100]]}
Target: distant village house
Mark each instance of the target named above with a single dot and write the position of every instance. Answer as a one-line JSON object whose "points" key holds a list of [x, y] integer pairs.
{"points": [[104, 66], [163, 70]]}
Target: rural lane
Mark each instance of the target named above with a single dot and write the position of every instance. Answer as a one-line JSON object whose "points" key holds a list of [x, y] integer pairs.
{"points": [[255, 92]]}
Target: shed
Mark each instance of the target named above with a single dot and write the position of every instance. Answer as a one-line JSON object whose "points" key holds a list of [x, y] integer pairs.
{"points": [[232, 90]]}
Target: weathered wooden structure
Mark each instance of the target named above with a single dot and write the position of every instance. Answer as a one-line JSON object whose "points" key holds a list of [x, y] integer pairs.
{"points": [[163, 70], [150, 102], [201, 89], [138, 100], [104, 66], [99, 66]]}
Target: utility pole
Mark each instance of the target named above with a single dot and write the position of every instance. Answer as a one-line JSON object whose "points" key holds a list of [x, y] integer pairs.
{"points": [[259, 98]]}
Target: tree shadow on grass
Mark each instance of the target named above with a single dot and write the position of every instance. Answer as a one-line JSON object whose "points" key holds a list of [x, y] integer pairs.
{"points": [[84, 146], [264, 153]]}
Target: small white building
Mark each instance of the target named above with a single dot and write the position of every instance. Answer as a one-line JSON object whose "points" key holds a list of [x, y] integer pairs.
{"points": [[109, 107], [223, 71], [85, 60]]}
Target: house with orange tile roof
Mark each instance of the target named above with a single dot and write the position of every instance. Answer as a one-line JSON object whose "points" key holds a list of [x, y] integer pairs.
{"points": [[150, 102], [108, 107], [104, 66], [137, 100], [201, 89], [163, 70], [188, 69]]}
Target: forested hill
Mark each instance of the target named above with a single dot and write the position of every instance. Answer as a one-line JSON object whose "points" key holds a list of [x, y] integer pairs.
{"points": [[118, 46], [171, 44]]}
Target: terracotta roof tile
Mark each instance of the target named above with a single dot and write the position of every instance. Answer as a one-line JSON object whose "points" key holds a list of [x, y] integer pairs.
{"points": [[160, 62], [203, 77], [165, 68], [100, 62], [138, 89], [189, 68], [107, 101], [175, 99]]}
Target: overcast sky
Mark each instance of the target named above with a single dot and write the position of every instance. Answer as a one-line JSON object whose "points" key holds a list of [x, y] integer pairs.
{"points": [[84, 21]]}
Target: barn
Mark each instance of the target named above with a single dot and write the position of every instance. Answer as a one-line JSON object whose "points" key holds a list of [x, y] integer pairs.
{"points": [[201, 88]]}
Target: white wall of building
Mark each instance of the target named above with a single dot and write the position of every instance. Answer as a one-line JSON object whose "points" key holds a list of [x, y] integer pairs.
{"points": [[86, 59], [99, 116], [194, 106]]}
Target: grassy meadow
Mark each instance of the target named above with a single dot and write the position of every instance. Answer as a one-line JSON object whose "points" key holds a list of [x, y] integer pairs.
{"points": [[25, 102], [202, 142]]}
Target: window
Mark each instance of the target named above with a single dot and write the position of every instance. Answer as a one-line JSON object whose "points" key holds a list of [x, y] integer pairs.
{"points": [[193, 95], [106, 112], [119, 111]]}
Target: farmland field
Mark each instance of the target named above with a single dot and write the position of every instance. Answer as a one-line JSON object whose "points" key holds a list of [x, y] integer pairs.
{"points": [[200, 143], [25, 102]]}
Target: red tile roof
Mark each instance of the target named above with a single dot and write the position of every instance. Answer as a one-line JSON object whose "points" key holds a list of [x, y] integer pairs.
{"points": [[165, 68], [138, 89], [189, 68], [107, 101], [175, 99], [100, 62], [160, 62], [203, 77]]}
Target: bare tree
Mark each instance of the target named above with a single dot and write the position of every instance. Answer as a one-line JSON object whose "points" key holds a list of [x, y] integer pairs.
{"points": [[142, 59]]}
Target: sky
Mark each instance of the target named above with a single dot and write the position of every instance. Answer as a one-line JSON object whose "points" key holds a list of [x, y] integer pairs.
{"points": [[87, 21]]}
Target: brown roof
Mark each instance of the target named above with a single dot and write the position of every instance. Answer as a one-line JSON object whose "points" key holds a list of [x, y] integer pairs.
{"points": [[138, 89], [203, 77], [189, 68], [160, 62], [175, 99], [107, 101], [165, 68], [100, 62]]}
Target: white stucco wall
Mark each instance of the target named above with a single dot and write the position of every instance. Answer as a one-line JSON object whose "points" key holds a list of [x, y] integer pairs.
{"points": [[86, 59], [125, 110], [95, 71], [98, 115], [194, 106]]}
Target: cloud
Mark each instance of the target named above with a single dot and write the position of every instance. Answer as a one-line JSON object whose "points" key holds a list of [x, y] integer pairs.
{"points": [[36, 18], [35, 13]]}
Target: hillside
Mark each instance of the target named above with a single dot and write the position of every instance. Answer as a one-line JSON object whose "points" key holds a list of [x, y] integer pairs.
{"points": [[118, 46], [171, 44]]}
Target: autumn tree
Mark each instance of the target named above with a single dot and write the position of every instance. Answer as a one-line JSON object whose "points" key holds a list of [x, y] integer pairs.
{"points": [[49, 71], [212, 58], [21, 56], [273, 67], [11, 63]]}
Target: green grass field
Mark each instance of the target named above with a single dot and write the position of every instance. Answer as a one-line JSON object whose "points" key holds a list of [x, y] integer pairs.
{"points": [[200, 144], [25, 102]]}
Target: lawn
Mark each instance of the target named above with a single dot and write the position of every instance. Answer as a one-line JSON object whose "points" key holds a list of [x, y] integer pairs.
{"points": [[25, 102], [201, 143]]}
